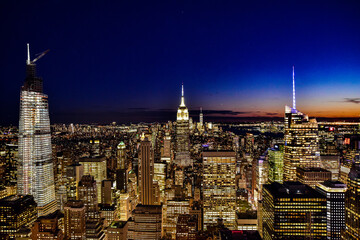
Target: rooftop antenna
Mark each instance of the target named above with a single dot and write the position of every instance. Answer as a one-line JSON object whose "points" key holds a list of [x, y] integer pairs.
{"points": [[28, 54], [182, 89], [294, 99]]}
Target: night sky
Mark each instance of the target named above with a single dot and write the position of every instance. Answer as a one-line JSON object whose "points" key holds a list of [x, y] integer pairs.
{"points": [[125, 60]]}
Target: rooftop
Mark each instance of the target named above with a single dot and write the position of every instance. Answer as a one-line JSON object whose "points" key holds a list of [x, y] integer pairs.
{"points": [[292, 190]]}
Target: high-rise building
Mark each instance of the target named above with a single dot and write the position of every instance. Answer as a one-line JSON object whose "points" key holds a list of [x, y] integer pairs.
{"points": [[201, 118], [166, 154], [106, 192], [146, 172], [219, 188], [16, 211], [121, 171], [173, 209], [88, 194], [74, 174], [35, 168], [293, 210], [74, 220], [352, 206], [146, 222], [186, 227], [182, 157], [332, 164], [121, 156], [276, 164], [261, 177], [47, 227], [301, 140], [96, 167], [334, 191], [11, 162]]}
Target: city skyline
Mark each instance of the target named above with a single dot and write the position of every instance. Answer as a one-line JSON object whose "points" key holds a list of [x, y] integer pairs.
{"points": [[235, 60]]}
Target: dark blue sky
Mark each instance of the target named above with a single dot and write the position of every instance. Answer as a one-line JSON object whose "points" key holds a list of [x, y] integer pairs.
{"points": [[125, 60]]}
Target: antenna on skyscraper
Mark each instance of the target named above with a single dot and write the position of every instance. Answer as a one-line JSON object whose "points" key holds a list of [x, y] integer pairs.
{"points": [[28, 54], [182, 89], [294, 99]]}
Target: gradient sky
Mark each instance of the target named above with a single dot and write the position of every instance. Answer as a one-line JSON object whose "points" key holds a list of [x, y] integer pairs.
{"points": [[125, 60]]}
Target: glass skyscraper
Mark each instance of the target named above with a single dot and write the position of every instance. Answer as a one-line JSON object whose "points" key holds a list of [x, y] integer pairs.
{"points": [[35, 168]]}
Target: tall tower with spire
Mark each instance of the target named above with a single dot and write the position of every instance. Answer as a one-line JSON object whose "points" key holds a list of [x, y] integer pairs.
{"points": [[301, 140], [182, 157], [35, 168]]}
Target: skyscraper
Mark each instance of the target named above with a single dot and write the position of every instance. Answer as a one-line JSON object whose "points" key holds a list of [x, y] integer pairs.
{"points": [[146, 172], [35, 168], [74, 220], [201, 118], [182, 157], [219, 187], [352, 206], [301, 140], [121, 175], [293, 211], [276, 164], [146, 222], [334, 191]]}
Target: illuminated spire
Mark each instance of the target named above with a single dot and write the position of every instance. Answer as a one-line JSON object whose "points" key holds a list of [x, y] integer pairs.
{"points": [[28, 54], [182, 104], [294, 100]]}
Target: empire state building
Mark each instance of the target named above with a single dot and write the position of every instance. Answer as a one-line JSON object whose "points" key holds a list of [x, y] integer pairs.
{"points": [[182, 157], [35, 168]]}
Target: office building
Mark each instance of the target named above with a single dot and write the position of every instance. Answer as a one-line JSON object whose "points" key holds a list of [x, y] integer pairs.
{"points": [[74, 173], [118, 230], [96, 167], [107, 192], [276, 164], [182, 157], [332, 164], [88, 194], [173, 209], [312, 176], [352, 206], [186, 227], [47, 227], [74, 220], [146, 222], [16, 211], [121, 156], [293, 210], [35, 166], [146, 172], [334, 191], [219, 188], [301, 141]]}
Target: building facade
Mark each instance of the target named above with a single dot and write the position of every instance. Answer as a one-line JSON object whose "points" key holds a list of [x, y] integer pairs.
{"points": [[182, 157], [146, 172], [352, 206], [334, 191], [35, 166], [219, 188], [293, 210]]}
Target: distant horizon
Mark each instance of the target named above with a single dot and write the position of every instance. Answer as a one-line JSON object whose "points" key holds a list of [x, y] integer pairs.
{"points": [[213, 119]]}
